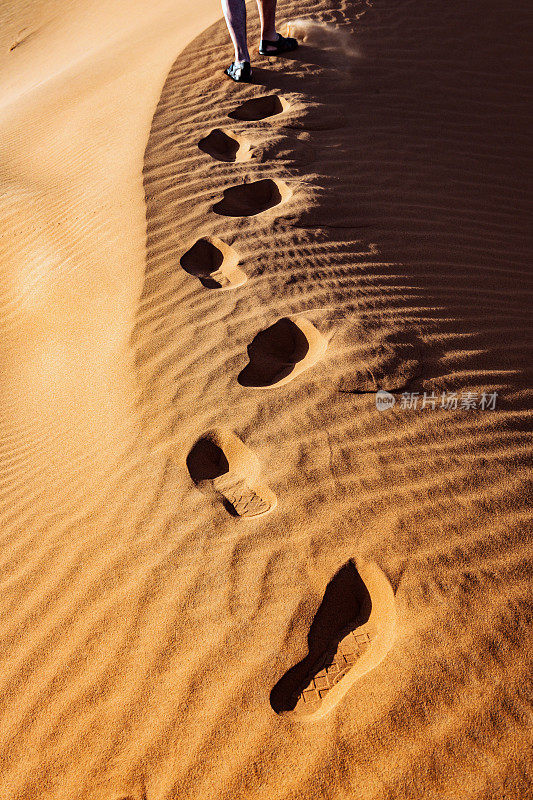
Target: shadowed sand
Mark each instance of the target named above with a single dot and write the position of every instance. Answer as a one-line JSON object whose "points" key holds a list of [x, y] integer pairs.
{"points": [[352, 631], [252, 198], [282, 352], [221, 464], [143, 627], [259, 108], [224, 146], [214, 263]]}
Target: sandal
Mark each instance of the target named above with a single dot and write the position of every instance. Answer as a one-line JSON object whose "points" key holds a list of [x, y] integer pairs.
{"points": [[281, 45], [239, 71]]}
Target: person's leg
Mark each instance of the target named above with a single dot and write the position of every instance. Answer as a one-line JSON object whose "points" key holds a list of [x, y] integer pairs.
{"points": [[272, 43], [235, 13], [267, 15]]}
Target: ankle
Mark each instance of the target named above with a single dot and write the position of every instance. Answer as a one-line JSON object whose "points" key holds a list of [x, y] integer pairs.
{"points": [[269, 35]]}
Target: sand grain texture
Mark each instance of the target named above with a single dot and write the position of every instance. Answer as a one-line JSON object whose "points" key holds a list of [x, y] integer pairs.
{"points": [[373, 183]]}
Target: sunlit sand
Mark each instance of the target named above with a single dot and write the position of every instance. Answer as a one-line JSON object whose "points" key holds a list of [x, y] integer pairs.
{"points": [[229, 567]]}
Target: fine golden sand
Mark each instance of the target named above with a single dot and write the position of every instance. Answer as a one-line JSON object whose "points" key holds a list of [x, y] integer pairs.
{"points": [[224, 572]]}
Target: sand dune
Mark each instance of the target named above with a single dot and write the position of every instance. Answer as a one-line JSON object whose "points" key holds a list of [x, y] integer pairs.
{"points": [[363, 205]]}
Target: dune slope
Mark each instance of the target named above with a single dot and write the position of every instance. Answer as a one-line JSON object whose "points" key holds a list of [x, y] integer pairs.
{"points": [[373, 185]]}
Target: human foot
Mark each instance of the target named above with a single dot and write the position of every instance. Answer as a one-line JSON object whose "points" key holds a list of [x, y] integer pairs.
{"points": [[239, 71], [277, 46]]}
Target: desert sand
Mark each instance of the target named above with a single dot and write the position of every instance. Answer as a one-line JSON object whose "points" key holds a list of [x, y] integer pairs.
{"points": [[225, 572]]}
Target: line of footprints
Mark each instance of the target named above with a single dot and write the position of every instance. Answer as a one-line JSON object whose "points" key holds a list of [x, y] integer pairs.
{"points": [[354, 627], [220, 464]]}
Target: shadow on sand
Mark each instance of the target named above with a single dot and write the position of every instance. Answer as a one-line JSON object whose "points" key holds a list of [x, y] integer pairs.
{"points": [[345, 606]]}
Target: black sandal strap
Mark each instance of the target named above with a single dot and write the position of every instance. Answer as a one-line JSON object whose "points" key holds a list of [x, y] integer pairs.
{"points": [[281, 45]]}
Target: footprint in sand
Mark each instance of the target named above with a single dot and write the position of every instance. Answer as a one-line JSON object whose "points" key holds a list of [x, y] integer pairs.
{"points": [[222, 466], [353, 630], [260, 108], [281, 352], [214, 263], [225, 146], [248, 199]]}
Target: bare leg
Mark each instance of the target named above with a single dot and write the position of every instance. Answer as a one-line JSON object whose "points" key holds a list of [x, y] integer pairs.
{"points": [[235, 13], [267, 15]]}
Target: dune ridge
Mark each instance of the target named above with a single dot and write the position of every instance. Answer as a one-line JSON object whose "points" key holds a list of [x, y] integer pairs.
{"points": [[143, 633]]}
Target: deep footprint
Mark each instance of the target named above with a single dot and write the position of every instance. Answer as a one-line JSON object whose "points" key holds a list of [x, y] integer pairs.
{"points": [[222, 466], [248, 199], [281, 352], [223, 146], [214, 263], [259, 108], [351, 633]]}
